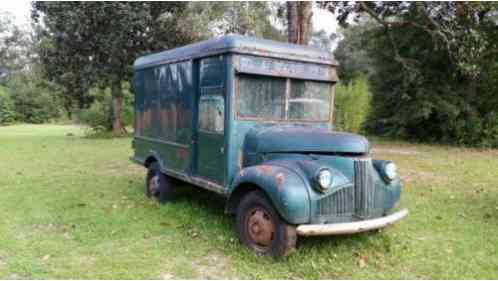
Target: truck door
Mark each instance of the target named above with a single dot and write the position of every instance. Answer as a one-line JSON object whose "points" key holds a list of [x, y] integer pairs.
{"points": [[211, 120]]}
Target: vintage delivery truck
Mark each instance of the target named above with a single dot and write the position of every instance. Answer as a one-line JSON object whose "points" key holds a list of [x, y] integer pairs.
{"points": [[250, 119]]}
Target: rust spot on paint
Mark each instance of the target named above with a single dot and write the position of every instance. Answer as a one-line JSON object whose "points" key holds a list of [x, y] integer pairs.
{"points": [[280, 177], [182, 152], [264, 169], [241, 159]]}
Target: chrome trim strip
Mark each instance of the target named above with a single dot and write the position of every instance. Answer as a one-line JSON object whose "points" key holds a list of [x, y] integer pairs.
{"points": [[162, 142], [198, 181]]}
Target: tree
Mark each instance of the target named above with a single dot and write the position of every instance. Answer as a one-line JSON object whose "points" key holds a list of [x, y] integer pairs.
{"points": [[433, 67], [299, 25], [14, 44], [457, 28], [65, 67], [322, 40], [208, 19], [89, 43], [352, 53]]}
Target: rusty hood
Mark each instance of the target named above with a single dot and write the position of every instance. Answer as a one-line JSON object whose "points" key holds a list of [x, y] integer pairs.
{"points": [[303, 140]]}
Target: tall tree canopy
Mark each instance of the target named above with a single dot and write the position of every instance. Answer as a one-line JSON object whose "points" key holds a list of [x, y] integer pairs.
{"points": [[14, 45], [460, 29], [352, 52], [85, 43], [208, 19], [434, 67]]}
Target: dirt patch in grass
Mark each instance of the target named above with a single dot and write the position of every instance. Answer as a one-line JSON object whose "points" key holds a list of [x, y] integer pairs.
{"points": [[87, 260], [168, 276], [401, 151], [410, 176], [479, 152], [213, 266], [120, 169], [49, 227]]}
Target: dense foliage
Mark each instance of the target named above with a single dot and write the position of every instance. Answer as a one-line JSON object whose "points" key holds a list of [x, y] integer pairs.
{"points": [[7, 111], [24, 95], [24, 98], [351, 52], [98, 115], [432, 66]]}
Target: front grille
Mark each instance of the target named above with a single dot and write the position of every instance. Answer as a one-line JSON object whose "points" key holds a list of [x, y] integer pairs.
{"points": [[340, 203], [363, 188], [354, 201]]}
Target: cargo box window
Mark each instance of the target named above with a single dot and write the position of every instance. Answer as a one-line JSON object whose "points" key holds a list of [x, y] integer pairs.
{"points": [[283, 99], [262, 97]]}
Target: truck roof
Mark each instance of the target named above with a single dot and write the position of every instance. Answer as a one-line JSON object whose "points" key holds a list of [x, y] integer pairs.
{"points": [[238, 44]]}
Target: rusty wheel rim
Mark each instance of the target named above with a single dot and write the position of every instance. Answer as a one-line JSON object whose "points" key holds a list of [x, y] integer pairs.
{"points": [[260, 228], [154, 185]]}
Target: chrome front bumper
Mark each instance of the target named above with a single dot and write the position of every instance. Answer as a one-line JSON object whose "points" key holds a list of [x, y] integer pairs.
{"points": [[350, 227]]}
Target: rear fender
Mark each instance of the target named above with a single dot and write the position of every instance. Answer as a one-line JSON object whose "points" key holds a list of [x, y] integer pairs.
{"points": [[285, 189]]}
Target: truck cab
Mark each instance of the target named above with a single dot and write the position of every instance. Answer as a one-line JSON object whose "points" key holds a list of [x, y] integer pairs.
{"points": [[251, 120]]}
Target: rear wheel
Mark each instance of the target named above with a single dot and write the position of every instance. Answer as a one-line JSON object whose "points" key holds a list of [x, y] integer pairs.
{"points": [[260, 227], [157, 185]]}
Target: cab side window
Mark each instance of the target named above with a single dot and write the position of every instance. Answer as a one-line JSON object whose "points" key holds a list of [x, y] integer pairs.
{"points": [[211, 114], [211, 100]]}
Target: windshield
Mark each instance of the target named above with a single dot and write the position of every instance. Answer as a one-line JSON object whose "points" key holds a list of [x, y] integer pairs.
{"points": [[283, 99]]}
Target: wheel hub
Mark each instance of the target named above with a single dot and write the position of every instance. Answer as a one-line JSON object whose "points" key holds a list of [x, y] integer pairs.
{"points": [[260, 227], [154, 185]]}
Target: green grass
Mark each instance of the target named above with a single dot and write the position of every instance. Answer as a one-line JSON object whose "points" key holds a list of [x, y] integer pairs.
{"points": [[73, 207]]}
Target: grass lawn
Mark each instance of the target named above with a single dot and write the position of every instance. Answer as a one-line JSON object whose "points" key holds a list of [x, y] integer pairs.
{"points": [[73, 207]]}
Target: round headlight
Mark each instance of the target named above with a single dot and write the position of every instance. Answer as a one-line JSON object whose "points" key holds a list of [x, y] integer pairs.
{"points": [[324, 179], [390, 170]]}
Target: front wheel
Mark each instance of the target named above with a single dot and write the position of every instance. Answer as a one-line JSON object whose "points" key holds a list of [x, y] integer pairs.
{"points": [[260, 227]]}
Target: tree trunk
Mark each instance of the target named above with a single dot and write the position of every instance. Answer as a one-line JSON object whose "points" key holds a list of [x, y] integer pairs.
{"points": [[292, 26], [299, 24], [305, 25], [68, 106], [118, 128]]}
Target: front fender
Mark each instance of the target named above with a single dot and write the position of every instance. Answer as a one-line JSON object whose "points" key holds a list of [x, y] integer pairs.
{"points": [[286, 190]]}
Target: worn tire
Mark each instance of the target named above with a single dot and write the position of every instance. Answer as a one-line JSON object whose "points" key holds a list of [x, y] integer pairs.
{"points": [[283, 235], [162, 188]]}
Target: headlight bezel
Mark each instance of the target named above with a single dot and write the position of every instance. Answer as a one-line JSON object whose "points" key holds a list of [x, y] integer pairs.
{"points": [[380, 166], [390, 171], [319, 184]]}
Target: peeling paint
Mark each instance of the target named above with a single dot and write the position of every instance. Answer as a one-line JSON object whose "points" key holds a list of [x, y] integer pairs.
{"points": [[182, 153], [241, 159], [264, 169], [280, 177]]}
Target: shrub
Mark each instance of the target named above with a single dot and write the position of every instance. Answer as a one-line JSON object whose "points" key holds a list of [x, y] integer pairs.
{"points": [[352, 105], [98, 117], [7, 113]]}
